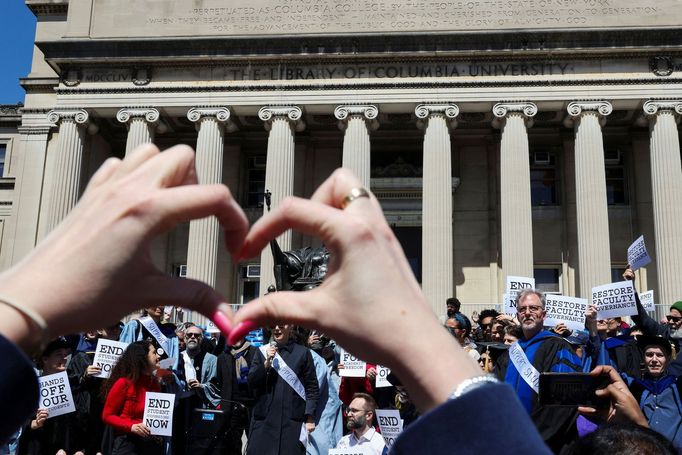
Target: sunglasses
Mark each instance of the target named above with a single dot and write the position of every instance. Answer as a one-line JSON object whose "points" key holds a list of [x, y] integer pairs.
{"points": [[672, 318], [193, 335]]}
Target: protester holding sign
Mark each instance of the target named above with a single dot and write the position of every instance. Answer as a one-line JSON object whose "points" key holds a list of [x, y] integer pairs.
{"points": [[125, 390], [539, 351], [360, 422], [282, 376], [86, 393], [46, 434]]}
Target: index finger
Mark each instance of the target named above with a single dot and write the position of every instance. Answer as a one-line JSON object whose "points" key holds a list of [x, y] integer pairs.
{"points": [[607, 370]]}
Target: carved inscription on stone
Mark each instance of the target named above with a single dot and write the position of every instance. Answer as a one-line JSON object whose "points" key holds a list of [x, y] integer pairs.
{"points": [[147, 18]]}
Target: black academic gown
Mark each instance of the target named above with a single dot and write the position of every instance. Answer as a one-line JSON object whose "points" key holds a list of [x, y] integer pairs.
{"points": [[87, 434], [279, 411]]}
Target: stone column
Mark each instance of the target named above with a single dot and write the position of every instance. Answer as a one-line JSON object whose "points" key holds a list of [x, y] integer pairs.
{"points": [[66, 179], [594, 254], [142, 122], [281, 122], [437, 247], [666, 189], [516, 216], [357, 121], [204, 234]]}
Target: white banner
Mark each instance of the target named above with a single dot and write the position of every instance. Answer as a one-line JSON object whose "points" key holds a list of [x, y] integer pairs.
{"points": [[614, 300], [382, 377], [526, 369], [357, 450], [647, 299], [158, 413], [352, 366], [390, 423], [569, 310], [637, 254], [55, 394], [516, 284], [107, 354]]}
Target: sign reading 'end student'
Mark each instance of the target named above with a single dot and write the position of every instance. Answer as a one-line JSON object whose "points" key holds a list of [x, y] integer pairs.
{"points": [[158, 413], [614, 300]]}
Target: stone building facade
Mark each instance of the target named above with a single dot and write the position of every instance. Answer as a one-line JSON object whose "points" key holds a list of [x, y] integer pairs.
{"points": [[529, 138]]}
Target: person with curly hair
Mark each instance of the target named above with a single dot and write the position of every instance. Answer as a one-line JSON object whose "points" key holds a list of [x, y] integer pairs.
{"points": [[130, 380]]}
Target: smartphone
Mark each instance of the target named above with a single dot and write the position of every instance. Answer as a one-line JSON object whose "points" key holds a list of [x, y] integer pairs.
{"points": [[572, 389]]}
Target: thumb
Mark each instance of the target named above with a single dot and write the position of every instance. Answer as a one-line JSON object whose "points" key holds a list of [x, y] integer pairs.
{"points": [[161, 289], [300, 308]]}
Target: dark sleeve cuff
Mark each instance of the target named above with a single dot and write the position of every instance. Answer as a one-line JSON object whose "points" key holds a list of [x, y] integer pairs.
{"points": [[485, 420], [18, 388]]}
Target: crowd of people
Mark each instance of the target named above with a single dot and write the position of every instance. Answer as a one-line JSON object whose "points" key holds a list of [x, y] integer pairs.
{"points": [[465, 384]]}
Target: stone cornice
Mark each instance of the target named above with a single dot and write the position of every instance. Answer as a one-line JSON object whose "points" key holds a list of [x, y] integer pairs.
{"points": [[80, 116], [48, 8], [367, 111], [34, 130], [449, 111], [150, 114], [292, 113]]}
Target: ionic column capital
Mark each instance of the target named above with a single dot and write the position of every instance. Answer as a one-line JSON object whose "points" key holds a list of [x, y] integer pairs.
{"points": [[502, 110], [220, 114], [449, 111], [149, 114], [369, 111], [579, 108], [654, 107], [79, 116], [292, 113]]}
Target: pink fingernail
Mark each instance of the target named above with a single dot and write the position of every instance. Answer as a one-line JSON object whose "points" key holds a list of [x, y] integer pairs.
{"points": [[240, 331], [222, 322]]}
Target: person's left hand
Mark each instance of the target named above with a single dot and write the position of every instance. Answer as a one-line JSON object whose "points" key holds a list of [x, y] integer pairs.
{"points": [[310, 426], [92, 370], [561, 329], [371, 373], [96, 266], [195, 384]]}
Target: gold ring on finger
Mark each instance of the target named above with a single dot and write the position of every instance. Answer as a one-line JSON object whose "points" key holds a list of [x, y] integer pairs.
{"points": [[354, 194]]}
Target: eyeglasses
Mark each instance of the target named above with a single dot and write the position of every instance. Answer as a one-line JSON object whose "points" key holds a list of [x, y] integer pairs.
{"points": [[672, 318], [193, 335], [355, 411], [529, 308]]}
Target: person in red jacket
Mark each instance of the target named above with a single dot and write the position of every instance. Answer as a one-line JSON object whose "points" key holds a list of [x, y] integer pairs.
{"points": [[125, 392]]}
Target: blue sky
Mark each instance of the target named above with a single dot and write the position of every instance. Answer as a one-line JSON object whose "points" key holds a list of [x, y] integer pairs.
{"points": [[17, 24]]}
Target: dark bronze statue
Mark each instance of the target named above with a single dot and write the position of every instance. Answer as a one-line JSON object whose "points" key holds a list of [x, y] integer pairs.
{"points": [[299, 270]]}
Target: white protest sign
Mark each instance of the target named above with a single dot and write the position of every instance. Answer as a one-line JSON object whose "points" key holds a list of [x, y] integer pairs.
{"points": [[515, 284], [352, 366], [509, 304], [647, 299], [357, 450], [55, 394], [569, 310], [107, 354], [211, 327], [390, 423], [167, 364], [614, 300], [382, 377], [158, 413], [637, 254]]}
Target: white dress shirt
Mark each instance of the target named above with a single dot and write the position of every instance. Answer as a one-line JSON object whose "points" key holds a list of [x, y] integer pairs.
{"points": [[372, 443]]}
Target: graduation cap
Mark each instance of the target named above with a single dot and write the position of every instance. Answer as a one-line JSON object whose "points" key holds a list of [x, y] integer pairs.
{"points": [[644, 341], [578, 338], [494, 348]]}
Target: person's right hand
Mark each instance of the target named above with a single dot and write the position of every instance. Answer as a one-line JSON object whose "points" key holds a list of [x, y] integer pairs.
{"points": [[92, 370], [39, 421], [368, 280], [591, 319], [271, 352], [628, 274], [141, 430], [312, 339], [623, 406], [371, 374], [96, 267]]}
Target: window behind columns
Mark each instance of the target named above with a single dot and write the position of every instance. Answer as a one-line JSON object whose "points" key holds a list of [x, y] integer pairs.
{"points": [[249, 283], [255, 182], [548, 278], [616, 177], [544, 178]]}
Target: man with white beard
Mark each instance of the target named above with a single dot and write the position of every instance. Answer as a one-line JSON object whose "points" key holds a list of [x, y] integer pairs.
{"points": [[363, 434], [199, 368]]}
